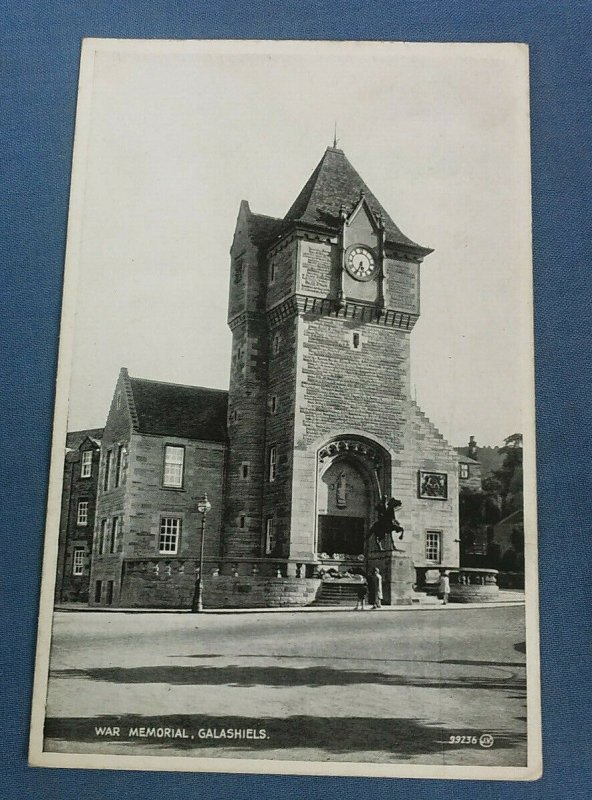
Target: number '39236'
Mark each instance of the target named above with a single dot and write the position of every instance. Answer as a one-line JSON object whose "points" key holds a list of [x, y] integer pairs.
{"points": [[462, 739]]}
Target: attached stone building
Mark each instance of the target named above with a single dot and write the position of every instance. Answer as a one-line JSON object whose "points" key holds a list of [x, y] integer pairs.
{"points": [[163, 447], [77, 518], [469, 467]]}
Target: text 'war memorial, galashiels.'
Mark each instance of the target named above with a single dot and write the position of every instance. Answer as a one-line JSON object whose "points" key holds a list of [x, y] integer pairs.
{"points": [[318, 466]]}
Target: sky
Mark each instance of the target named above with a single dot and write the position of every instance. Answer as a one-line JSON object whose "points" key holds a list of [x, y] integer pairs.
{"points": [[171, 136]]}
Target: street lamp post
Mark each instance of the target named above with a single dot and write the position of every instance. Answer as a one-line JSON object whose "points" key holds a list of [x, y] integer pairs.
{"points": [[203, 507]]}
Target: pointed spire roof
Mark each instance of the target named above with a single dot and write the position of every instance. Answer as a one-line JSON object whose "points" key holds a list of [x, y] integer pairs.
{"points": [[333, 184]]}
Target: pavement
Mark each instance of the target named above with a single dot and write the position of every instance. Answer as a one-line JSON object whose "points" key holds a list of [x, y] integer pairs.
{"points": [[506, 597], [424, 686]]}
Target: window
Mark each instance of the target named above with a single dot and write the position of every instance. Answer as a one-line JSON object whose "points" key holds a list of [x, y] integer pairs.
{"points": [[119, 465], [107, 475], [269, 535], [102, 532], [242, 521], [273, 404], [464, 470], [86, 464], [239, 353], [174, 458], [356, 341], [272, 463], [434, 546], [276, 344], [114, 534], [272, 272], [245, 470], [170, 530], [78, 561], [98, 591], [82, 513]]}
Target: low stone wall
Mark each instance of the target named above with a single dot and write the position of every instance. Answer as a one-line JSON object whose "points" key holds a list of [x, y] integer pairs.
{"points": [[170, 588], [163, 589], [473, 593], [223, 591]]}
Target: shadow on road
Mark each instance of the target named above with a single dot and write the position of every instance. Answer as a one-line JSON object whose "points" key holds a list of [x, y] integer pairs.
{"points": [[274, 676], [364, 658], [401, 738]]}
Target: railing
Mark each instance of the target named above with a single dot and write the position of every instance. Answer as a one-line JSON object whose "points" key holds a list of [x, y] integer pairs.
{"points": [[459, 576], [167, 565]]}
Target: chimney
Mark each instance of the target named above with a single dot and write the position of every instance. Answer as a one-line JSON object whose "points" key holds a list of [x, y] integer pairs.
{"points": [[472, 451]]}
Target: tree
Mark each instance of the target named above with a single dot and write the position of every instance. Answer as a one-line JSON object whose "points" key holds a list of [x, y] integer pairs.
{"points": [[510, 474], [481, 510]]}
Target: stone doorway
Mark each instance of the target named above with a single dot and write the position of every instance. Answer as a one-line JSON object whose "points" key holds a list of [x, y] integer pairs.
{"points": [[340, 535]]}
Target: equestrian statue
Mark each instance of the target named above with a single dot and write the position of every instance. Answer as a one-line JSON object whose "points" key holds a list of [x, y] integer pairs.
{"points": [[387, 522]]}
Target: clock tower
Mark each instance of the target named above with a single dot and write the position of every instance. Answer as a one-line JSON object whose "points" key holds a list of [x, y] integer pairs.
{"points": [[321, 423]]}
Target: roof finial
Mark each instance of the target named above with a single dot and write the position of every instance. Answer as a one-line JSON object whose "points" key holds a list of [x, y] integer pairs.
{"points": [[335, 139]]}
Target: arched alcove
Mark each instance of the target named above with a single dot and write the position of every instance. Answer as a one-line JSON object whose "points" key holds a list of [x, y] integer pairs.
{"points": [[353, 473]]}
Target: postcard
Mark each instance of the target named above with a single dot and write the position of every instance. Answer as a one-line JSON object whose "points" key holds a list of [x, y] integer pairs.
{"points": [[291, 524]]}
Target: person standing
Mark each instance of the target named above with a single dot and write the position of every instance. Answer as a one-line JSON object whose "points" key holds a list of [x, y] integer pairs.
{"points": [[444, 587], [377, 581]]}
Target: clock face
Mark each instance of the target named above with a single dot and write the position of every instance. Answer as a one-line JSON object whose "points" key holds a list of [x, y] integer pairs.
{"points": [[360, 263]]}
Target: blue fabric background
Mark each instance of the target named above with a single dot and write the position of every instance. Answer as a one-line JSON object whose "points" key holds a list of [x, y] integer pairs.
{"points": [[39, 70]]}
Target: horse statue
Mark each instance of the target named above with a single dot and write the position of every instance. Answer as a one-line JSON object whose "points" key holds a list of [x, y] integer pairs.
{"points": [[386, 523]]}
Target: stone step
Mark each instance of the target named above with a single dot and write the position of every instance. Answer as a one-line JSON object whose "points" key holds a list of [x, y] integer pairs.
{"points": [[336, 594]]}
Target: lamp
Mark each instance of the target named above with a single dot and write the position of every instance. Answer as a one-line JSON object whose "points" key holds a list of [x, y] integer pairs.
{"points": [[204, 506]]}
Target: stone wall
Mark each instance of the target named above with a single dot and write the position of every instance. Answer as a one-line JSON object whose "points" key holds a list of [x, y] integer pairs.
{"points": [[279, 433], [228, 592], [163, 585], [142, 501], [149, 500], [281, 265], [246, 432]]}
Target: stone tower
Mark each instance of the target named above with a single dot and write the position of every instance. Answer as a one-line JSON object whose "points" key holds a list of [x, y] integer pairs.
{"points": [[321, 423]]}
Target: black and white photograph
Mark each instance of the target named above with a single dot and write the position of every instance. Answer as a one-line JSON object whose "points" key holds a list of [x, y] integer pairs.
{"points": [[291, 524]]}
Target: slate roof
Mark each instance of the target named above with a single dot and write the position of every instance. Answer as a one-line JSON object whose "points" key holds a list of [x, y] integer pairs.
{"points": [[75, 438], [335, 183], [490, 459], [464, 458], [170, 409], [262, 228]]}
